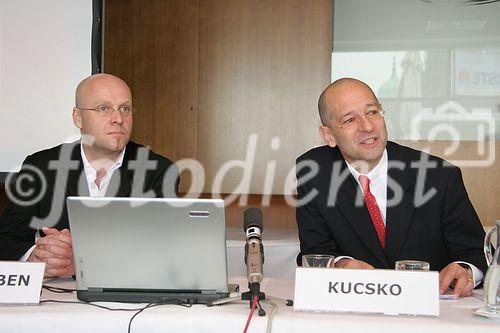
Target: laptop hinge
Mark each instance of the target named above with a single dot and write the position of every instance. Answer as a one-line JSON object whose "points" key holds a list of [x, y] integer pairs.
{"points": [[94, 290], [209, 292]]}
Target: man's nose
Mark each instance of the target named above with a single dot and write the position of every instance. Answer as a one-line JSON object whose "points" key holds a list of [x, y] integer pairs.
{"points": [[116, 117], [365, 125]]}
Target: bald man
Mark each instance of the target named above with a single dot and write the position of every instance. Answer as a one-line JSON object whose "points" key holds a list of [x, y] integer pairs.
{"points": [[371, 202], [104, 162]]}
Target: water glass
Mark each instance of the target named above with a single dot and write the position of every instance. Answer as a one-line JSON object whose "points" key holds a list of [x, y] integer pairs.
{"points": [[317, 260], [412, 265]]}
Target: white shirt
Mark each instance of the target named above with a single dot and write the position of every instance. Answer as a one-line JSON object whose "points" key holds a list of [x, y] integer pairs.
{"points": [[378, 182], [378, 187], [94, 190], [91, 174]]}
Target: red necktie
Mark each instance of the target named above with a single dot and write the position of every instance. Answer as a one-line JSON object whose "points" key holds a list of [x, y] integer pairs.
{"points": [[373, 209]]}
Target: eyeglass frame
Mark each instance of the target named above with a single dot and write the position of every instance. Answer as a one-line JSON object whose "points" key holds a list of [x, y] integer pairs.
{"points": [[109, 113], [358, 117]]}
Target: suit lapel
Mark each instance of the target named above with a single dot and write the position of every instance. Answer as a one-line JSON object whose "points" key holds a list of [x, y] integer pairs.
{"points": [[77, 183], [357, 215], [399, 216]]}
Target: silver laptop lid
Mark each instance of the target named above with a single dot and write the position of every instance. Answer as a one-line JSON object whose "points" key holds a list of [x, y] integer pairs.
{"points": [[150, 244]]}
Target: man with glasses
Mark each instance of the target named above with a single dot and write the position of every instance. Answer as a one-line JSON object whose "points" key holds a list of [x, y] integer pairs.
{"points": [[371, 202], [103, 163]]}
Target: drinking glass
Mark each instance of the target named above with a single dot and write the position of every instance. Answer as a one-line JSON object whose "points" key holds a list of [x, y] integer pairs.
{"points": [[412, 265], [317, 260]]}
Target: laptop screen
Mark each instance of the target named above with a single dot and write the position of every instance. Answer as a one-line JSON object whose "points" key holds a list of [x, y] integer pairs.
{"points": [[149, 245]]}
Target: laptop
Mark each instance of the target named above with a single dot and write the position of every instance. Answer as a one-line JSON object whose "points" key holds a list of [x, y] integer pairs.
{"points": [[149, 250]]}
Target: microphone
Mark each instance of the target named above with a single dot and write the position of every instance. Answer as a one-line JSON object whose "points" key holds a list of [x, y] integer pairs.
{"points": [[254, 251]]}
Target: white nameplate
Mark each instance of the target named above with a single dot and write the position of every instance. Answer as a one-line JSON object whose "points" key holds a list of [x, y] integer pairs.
{"points": [[20, 282], [375, 291]]}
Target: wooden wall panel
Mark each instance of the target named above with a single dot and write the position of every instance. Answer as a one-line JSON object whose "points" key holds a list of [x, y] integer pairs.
{"points": [[208, 74], [153, 45], [118, 41], [277, 214], [262, 67]]}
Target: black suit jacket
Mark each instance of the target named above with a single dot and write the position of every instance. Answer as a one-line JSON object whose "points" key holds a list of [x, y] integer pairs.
{"points": [[38, 193], [441, 230]]}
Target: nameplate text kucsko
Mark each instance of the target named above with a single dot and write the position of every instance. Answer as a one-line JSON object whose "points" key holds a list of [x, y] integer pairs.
{"points": [[367, 291]]}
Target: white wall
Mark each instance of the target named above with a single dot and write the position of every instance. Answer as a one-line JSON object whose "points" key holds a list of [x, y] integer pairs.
{"points": [[45, 50]]}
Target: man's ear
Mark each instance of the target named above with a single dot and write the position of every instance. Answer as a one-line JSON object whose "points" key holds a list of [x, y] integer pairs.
{"points": [[77, 118], [327, 136]]}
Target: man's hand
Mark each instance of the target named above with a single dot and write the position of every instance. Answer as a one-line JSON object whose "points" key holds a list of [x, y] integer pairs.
{"points": [[352, 264], [56, 251], [464, 284]]}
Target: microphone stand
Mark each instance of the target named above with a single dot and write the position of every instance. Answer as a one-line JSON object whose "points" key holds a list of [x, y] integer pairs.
{"points": [[253, 291], [254, 259]]}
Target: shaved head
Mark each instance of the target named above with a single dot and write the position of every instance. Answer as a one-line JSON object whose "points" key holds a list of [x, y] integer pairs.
{"points": [[104, 136], [88, 83], [326, 107], [351, 101]]}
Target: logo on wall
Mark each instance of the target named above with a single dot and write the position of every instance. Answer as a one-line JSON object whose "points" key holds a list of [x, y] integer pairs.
{"points": [[477, 72]]}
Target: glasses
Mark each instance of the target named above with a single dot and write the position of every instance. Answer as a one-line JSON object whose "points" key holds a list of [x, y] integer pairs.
{"points": [[106, 111], [352, 121]]}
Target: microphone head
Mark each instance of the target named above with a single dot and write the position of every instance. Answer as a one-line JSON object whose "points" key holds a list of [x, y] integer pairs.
{"points": [[253, 218]]}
